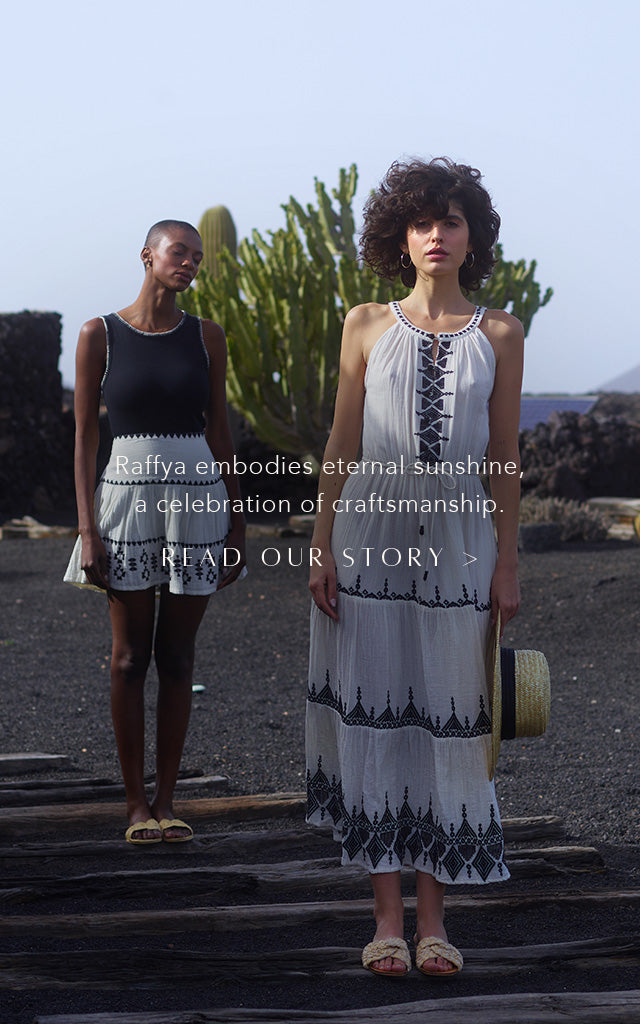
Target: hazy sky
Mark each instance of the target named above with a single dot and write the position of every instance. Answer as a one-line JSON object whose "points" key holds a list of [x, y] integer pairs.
{"points": [[117, 114]]}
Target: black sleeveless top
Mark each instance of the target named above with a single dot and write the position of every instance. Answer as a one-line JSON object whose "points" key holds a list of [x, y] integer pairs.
{"points": [[155, 383]]}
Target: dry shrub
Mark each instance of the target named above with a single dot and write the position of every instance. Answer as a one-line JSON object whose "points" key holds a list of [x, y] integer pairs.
{"points": [[577, 521]]}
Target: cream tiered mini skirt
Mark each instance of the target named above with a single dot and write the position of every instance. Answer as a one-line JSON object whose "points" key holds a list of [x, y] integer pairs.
{"points": [[163, 514]]}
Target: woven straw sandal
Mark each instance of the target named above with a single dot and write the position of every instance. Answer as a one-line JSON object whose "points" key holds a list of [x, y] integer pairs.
{"points": [[143, 826], [432, 947], [379, 949], [166, 823]]}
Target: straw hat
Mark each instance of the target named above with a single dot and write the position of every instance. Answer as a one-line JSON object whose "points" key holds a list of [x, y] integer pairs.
{"points": [[520, 689]]}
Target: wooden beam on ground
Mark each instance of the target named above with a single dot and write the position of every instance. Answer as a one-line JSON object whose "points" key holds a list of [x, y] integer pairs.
{"points": [[258, 879], [17, 764], [282, 915], [184, 775], [532, 1008], [28, 821], [534, 829], [243, 844], [142, 968], [78, 793], [22, 822]]}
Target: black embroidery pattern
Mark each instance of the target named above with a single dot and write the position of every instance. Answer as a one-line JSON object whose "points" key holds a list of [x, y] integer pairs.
{"points": [[143, 481], [412, 595], [155, 437], [142, 560], [431, 380], [407, 835], [409, 716]]}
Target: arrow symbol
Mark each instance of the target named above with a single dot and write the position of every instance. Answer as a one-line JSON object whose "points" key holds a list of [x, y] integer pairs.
{"points": [[472, 558]]}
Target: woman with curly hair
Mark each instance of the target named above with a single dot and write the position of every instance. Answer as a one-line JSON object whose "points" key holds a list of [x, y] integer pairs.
{"points": [[408, 580]]}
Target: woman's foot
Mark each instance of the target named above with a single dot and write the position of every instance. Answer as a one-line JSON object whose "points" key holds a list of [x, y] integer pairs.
{"points": [[393, 957], [436, 957], [388, 910], [143, 826], [439, 945], [390, 928], [172, 829], [430, 924]]}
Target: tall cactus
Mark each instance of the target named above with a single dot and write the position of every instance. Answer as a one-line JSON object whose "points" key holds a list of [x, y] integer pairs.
{"points": [[217, 231], [282, 303]]}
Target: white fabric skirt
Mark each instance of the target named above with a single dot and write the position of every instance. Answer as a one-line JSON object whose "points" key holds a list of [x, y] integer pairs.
{"points": [[163, 515], [398, 716]]}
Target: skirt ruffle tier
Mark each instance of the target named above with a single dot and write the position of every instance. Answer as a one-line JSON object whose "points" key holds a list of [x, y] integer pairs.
{"points": [[163, 515]]}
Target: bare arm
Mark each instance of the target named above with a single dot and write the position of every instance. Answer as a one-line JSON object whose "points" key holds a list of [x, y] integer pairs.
{"points": [[342, 448], [507, 336], [218, 435], [91, 355]]}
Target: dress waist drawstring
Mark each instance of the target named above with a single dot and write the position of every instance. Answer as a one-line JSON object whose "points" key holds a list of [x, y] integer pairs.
{"points": [[448, 481], [423, 469]]}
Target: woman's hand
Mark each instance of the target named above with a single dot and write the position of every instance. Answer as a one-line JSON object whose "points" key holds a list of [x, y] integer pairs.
{"points": [[505, 595], [94, 560], [322, 583], [235, 542]]}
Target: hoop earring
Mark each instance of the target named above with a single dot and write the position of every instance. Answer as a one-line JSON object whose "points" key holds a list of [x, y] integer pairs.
{"points": [[405, 266], [473, 259]]}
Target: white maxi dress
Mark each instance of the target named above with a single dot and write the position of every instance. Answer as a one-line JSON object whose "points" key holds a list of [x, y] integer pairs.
{"points": [[398, 717]]}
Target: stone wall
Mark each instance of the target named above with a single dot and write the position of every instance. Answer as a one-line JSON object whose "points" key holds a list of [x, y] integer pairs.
{"points": [[577, 457], [36, 436]]}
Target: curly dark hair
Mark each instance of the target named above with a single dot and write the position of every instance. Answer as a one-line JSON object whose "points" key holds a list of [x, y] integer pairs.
{"points": [[407, 192]]}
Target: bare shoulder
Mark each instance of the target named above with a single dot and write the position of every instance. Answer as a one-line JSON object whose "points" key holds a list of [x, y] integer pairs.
{"points": [[367, 314], [502, 328], [93, 332], [214, 339], [92, 344], [365, 324]]}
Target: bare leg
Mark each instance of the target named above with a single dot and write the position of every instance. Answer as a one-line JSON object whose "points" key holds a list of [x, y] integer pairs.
{"points": [[430, 901], [178, 621], [132, 614], [388, 910]]}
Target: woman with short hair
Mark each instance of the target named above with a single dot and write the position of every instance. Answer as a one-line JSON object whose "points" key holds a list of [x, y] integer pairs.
{"points": [[165, 516]]}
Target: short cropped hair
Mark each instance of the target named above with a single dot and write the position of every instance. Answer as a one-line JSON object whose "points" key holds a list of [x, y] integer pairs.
{"points": [[157, 231], [407, 192]]}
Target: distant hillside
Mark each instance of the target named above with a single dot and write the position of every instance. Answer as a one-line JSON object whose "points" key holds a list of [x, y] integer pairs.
{"points": [[627, 382]]}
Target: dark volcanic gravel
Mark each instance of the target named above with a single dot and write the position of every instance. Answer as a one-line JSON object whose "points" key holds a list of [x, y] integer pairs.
{"points": [[581, 606]]}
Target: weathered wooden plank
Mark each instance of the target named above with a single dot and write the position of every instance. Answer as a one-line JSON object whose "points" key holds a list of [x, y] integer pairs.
{"points": [[541, 828], [281, 915], [16, 764], [26, 821], [258, 879], [245, 843], [142, 968], [523, 1008], [53, 783], [43, 784], [35, 797]]}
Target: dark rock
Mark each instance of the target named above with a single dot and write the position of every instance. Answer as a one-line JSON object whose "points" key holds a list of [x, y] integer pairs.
{"points": [[36, 437], [539, 536], [576, 457], [617, 403]]}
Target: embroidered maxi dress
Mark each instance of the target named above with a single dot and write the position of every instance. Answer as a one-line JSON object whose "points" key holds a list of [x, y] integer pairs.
{"points": [[398, 717]]}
